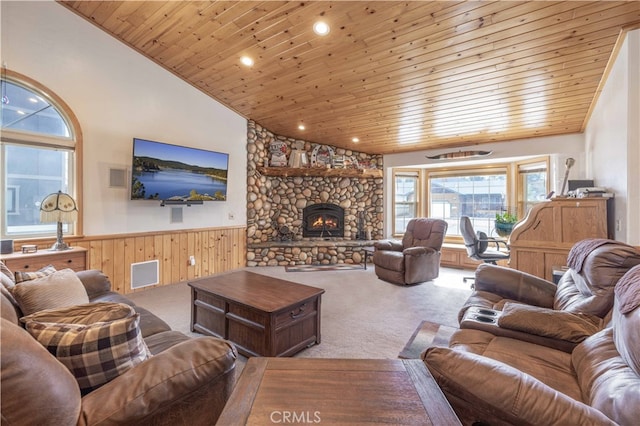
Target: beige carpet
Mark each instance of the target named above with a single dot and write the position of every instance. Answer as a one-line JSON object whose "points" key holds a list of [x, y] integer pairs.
{"points": [[362, 316]]}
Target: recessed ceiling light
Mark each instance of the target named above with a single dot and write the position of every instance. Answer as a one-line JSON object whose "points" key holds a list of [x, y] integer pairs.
{"points": [[321, 28], [356, 140], [301, 126], [246, 61]]}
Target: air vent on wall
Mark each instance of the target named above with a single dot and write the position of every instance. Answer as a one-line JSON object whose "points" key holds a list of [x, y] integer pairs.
{"points": [[144, 274], [117, 178], [176, 214]]}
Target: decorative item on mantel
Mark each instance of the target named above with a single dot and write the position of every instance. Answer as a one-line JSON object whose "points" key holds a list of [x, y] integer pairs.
{"points": [[278, 150], [367, 164], [61, 208], [322, 156], [298, 157], [351, 162], [338, 162]]}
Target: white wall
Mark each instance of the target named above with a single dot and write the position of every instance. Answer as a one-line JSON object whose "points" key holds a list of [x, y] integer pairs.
{"points": [[613, 139], [117, 94]]}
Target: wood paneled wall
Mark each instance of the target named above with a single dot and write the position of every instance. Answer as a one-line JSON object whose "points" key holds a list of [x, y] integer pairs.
{"points": [[215, 250]]}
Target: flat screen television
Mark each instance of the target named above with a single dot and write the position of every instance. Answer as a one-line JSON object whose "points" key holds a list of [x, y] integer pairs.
{"points": [[166, 172]]}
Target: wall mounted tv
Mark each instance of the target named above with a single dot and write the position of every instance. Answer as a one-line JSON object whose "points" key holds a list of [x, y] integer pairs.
{"points": [[177, 174]]}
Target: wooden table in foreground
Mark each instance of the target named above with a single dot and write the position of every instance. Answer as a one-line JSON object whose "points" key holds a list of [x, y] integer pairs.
{"points": [[261, 315], [337, 392]]}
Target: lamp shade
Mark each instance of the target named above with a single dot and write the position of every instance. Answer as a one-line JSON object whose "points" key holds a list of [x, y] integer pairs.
{"points": [[58, 207]]}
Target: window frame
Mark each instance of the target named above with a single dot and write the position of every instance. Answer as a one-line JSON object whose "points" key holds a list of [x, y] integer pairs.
{"points": [[524, 167], [514, 190], [468, 170], [406, 172], [74, 143]]}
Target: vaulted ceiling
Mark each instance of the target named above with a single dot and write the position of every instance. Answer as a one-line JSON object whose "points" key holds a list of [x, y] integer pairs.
{"points": [[398, 75]]}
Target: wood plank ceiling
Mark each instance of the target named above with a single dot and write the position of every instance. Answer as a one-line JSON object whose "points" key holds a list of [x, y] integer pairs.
{"points": [[398, 75]]}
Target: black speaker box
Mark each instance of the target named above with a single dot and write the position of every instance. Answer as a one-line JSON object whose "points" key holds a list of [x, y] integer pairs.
{"points": [[6, 246]]}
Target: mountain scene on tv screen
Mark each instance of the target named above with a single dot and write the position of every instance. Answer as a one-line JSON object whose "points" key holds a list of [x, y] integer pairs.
{"points": [[156, 179]]}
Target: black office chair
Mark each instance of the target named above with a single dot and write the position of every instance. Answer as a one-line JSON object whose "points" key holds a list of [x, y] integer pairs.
{"points": [[477, 245]]}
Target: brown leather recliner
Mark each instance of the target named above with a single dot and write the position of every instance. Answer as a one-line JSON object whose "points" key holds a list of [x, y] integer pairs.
{"points": [[497, 380], [186, 381], [416, 258], [519, 305]]}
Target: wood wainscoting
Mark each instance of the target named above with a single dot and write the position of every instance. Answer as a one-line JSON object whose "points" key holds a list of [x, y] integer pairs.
{"points": [[214, 249], [455, 256]]}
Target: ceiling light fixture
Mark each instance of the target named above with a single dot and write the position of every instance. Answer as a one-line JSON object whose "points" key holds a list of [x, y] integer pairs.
{"points": [[321, 28], [355, 140], [453, 155], [301, 126], [246, 61]]}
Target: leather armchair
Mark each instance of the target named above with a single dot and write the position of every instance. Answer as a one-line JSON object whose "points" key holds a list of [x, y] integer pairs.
{"points": [[416, 258], [497, 380], [583, 298]]}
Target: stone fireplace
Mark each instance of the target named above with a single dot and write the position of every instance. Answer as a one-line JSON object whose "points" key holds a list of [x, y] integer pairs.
{"points": [[284, 223], [323, 220]]}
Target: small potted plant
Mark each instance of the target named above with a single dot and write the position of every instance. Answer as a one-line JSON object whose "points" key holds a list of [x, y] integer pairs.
{"points": [[504, 223]]}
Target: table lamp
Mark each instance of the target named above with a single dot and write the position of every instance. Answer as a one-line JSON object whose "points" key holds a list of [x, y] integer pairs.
{"points": [[61, 208]]}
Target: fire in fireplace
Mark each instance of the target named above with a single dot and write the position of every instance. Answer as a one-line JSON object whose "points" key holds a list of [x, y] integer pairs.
{"points": [[323, 220]]}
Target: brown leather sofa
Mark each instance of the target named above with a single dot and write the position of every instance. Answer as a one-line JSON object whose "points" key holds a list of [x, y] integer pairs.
{"points": [[416, 258], [496, 380], [519, 305], [186, 381]]}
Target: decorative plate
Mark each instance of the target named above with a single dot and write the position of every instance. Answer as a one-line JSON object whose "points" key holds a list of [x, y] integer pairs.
{"points": [[321, 156]]}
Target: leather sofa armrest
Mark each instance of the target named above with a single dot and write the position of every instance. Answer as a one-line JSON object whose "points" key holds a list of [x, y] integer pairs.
{"points": [[515, 285], [155, 388], [482, 390], [418, 251], [95, 282], [561, 325], [392, 245]]}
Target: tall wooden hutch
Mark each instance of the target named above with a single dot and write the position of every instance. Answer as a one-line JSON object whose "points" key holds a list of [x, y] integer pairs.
{"points": [[543, 239]]}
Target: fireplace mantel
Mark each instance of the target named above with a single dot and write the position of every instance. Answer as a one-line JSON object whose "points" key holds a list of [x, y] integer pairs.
{"points": [[318, 171]]}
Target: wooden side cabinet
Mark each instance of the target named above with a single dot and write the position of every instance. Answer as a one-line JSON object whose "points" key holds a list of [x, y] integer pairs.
{"points": [[544, 238], [75, 258]]}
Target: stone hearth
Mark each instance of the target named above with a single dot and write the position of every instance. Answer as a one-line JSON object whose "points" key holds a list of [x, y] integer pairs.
{"points": [[275, 204], [309, 252]]}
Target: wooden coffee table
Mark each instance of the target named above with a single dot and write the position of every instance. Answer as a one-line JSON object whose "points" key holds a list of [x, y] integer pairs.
{"points": [[261, 315], [337, 392]]}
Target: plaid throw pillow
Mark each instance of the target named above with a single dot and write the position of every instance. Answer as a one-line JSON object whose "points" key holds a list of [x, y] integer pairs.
{"points": [[28, 276], [94, 353]]}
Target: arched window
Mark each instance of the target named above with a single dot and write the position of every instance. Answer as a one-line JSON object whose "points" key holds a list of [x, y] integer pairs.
{"points": [[39, 147]]}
